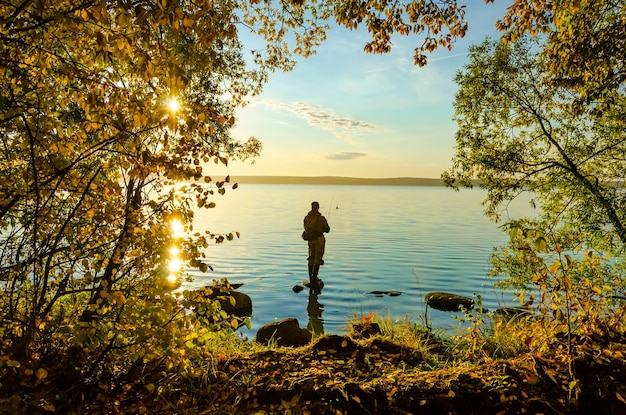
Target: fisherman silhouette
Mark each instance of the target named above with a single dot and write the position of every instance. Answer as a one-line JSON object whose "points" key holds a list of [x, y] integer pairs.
{"points": [[314, 220]]}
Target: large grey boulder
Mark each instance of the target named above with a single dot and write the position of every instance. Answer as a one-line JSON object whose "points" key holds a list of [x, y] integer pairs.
{"points": [[285, 332]]}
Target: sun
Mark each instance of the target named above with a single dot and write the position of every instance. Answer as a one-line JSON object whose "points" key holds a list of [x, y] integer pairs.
{"points": [[173, 104]]}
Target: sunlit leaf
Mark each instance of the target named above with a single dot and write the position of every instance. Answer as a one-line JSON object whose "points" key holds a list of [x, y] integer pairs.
{"points": [[541, 244], [555, 267]]}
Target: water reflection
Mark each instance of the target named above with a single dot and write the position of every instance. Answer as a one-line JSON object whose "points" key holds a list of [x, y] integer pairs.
{"points": [[174, 263], [314, 311]]}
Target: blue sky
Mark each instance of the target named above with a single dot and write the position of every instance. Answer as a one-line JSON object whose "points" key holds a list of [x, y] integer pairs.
{"points": [[343, 112]]}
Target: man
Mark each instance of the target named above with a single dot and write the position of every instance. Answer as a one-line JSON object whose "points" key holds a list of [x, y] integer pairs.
{"points": [[315, 220]]}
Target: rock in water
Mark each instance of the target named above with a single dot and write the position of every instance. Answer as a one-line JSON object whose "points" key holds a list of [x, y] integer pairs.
{"points": [[240, 307], [382, 293], [448, 302]]}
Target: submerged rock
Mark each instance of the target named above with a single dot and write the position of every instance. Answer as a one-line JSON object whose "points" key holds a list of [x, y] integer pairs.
{"points": [[448, 301], [233, 302], [285, 332], [382, 293], [242, 306]]}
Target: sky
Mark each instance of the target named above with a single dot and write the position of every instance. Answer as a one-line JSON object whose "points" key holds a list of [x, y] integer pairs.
{"points": [[344, 112]]}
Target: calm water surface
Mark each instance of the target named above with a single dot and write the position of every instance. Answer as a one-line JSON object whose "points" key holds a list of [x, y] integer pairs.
{"points": [[383, 238]]}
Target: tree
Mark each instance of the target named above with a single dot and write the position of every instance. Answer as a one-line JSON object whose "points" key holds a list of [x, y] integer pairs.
{"points": [[90, 158], [520, 132], [517, 134]]}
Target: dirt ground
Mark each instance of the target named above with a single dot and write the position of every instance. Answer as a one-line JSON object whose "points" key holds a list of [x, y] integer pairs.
{"points": [[339, 375]]}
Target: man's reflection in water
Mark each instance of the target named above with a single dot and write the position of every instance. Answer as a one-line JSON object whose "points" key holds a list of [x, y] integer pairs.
{"points": [[314, 310]]}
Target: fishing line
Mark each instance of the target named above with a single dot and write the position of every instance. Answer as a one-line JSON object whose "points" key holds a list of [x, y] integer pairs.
{"points": [[331, 203]]}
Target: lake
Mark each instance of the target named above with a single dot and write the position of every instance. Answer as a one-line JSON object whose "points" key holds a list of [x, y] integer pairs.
{"points": [[410, 239]]}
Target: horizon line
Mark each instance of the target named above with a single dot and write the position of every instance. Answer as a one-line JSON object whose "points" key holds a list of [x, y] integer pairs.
{"points": [[344, 180]]}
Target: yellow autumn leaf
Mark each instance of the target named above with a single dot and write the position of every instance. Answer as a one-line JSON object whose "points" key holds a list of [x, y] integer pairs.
{"points": [[451, 394], [150, 387], [555, 267], [118, 297]]}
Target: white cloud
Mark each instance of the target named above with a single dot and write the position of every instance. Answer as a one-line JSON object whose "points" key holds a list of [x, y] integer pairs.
{"points": [[341, 126]]}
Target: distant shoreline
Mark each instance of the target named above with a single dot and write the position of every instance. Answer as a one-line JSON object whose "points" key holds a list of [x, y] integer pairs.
{"points": [[337, 180]]}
